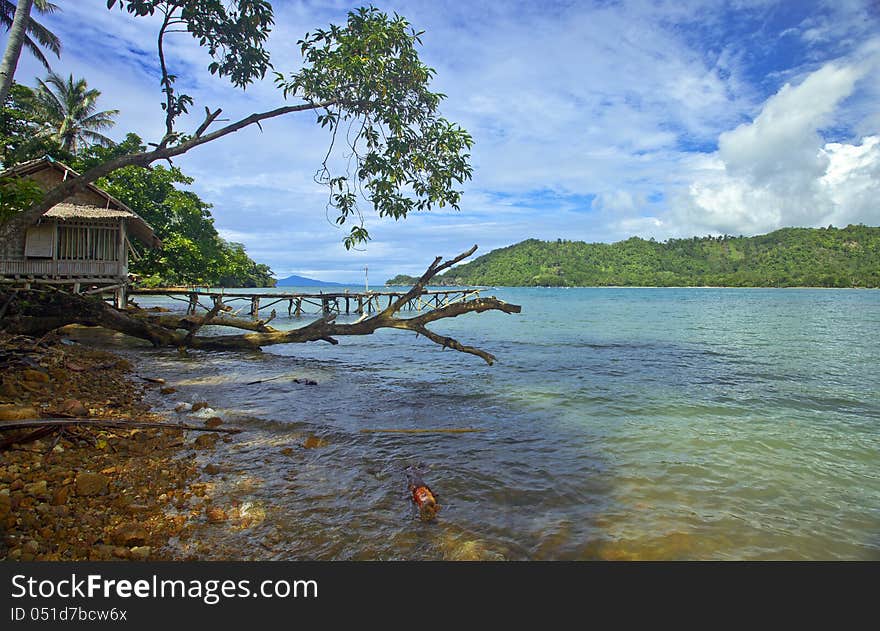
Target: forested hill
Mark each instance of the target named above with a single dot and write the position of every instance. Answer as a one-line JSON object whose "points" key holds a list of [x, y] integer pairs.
{"points": [[791, 257]]}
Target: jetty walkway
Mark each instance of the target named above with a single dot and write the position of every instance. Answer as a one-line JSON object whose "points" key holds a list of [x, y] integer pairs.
{"points": [[346, 302]]}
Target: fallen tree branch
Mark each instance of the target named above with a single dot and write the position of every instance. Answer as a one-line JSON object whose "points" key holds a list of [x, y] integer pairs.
{"points": [[43, 311]]}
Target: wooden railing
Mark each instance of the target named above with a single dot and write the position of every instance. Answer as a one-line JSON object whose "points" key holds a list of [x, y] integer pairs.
{"points": [[67, 269]]}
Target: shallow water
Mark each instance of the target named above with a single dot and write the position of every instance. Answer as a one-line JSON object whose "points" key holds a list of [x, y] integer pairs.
{"points": [[617, 424]]}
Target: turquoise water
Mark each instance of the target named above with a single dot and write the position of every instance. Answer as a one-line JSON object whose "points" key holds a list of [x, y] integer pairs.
{"points": [[617, 424]]}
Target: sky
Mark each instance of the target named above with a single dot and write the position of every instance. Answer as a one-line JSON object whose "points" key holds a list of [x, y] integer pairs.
{"points": [[593, 121]]}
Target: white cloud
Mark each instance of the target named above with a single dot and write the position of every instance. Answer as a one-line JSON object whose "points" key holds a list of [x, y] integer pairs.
{"points": [[778, 170], [621, 103]]}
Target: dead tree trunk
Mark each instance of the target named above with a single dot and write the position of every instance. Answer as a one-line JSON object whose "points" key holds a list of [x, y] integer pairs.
{"points": [[36, 312]]}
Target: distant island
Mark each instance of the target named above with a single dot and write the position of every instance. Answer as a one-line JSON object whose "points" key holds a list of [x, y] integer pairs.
{"points": [[301, 281], [790, 257]]}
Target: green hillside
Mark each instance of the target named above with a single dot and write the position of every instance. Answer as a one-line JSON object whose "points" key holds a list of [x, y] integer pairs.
{"points": [[791, 257]]}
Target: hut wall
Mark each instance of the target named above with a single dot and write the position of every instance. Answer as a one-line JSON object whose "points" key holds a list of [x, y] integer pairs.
{"points": [[49, 178]]}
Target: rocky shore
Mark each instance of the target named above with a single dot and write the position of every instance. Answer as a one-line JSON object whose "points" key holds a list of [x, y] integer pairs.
{"points": [[94, 494]]}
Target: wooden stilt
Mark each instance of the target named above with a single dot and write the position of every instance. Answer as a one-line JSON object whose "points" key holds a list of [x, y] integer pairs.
{"points": [[255, 307]]}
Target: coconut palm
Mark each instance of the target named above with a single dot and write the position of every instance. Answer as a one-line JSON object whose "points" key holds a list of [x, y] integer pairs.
{"points": [[37, 36], [68, 108]]}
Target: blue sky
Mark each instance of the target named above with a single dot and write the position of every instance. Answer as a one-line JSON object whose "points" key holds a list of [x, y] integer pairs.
{"points": [[592, 120]]}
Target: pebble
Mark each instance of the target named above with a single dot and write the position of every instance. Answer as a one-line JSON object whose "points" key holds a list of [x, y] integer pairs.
{"points": [[37, 489], [34, 376], [140, 553], [130, 534], [12, 412]]}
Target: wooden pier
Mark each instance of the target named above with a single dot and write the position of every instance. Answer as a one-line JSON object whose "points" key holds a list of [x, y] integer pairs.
{"points": [[326, 304]]}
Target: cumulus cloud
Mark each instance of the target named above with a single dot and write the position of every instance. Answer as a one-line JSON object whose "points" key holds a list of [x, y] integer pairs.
{"points": [[592, 121], [778, 170]]}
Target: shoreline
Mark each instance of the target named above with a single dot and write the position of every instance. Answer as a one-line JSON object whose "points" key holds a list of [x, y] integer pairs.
{"points": [[88, 493]]}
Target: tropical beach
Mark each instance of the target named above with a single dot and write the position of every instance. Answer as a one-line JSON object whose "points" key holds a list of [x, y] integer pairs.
{"points": [[662, 347]]}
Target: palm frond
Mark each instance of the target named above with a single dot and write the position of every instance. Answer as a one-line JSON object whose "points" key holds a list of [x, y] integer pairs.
{"points": [[45, 7], [96, 138], [32, 46], [47, 38], [100, 120]]}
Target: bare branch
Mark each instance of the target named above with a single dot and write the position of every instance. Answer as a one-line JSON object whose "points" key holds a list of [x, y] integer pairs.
{"points": [[210, 117], [45, 311], [71, 185]]}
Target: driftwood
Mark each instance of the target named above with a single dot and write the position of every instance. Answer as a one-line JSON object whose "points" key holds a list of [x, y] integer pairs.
{"points": [[427, 430], [40, 311], [7, 426]]}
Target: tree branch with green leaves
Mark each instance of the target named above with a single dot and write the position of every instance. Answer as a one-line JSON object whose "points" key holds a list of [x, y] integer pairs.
{"points": [[365, 81]]}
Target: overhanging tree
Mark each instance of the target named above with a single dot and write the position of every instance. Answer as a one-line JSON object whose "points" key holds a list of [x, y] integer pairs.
{"points": [[365, 82], [367, 86]]}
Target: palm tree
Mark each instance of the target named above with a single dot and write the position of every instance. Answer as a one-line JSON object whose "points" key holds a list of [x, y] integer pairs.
{"points": [[37, 36], [23, 29], [68, 108]]}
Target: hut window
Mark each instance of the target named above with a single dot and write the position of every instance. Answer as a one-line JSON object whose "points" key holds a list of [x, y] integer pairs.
{"points": [[95, 243], [39, 241]]}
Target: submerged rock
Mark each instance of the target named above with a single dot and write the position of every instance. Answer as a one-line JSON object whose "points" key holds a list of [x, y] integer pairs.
{"points": [[313, 442], [74, 408], [206, 441], [88, 483], [215, 515]]}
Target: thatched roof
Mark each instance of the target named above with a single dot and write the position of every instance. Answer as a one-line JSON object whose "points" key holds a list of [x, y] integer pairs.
{"points": [[115, 209], [136, 226]]}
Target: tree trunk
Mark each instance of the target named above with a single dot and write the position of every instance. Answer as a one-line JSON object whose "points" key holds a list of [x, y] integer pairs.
{"points": [[17, 33], [36, 312]]}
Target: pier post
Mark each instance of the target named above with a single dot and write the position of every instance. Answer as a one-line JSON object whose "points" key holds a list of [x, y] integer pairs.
{"points": [[360, 309], [255, 307], [193, 303], [299, 308]]}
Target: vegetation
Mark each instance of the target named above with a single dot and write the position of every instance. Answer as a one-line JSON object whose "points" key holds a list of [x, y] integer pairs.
{"points": [[37, 37], [24, 32], [192, 252], [68, 110], [365, 82], [791, 257]]}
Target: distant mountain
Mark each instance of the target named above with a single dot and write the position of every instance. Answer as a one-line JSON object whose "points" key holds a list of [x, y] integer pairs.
{"points": [[301, 281], [790, 257]]}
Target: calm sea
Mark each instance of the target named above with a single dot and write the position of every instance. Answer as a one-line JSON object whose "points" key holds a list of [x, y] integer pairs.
{"points": [[617, 424]]}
